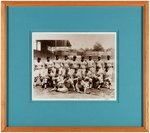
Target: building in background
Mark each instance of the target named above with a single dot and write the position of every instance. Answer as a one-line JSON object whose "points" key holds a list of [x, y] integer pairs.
{"points": [[45, 48], [51, 48]]}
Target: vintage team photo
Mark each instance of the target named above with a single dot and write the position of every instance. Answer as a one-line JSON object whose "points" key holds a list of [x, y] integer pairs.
{"points": [[74, 66]]}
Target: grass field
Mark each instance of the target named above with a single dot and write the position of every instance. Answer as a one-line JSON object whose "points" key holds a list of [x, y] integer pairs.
{"points": [[95, 94]]}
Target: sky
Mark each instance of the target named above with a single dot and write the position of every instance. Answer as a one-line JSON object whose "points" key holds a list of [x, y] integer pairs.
{"points": [[79, 39]]}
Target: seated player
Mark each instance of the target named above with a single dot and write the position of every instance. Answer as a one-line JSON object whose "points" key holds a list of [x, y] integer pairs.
{"points": [[55, 77], [49, 79], [60, 85], [68, 82], [88, 78], [75, 76], [45, 82]]}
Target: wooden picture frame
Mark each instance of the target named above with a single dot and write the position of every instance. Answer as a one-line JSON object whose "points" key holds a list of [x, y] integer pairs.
{"points": [[144, 128]]}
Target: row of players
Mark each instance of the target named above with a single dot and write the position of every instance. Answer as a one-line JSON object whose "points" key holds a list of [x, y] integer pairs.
{"points": [[64, 75]]}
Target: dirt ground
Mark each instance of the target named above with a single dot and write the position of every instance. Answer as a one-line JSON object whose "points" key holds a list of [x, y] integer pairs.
{"points": [[95, 94]]}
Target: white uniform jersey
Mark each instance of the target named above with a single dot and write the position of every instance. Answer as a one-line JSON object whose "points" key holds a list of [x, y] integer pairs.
{"points": [[108, 75], [100, 64], [58, 63], [90, 63], [75, 64], [38, 69], [76, 75], [81, 85], [88, 74], [38, 65], [61, 71], [83, 64], [99, 75], [109, 63], [52, 73], [60, 79], [110, 66], [100, 71], [66, 63], [49, 64]]}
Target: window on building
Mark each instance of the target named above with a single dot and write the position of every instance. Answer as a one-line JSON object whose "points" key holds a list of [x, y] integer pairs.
{"points": [[38, 45]]}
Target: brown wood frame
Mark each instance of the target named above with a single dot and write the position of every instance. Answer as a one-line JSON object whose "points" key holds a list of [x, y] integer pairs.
{"points": [[145, 126]]}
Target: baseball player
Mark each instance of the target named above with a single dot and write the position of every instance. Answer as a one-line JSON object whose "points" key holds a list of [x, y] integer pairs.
{"points": [[66, 65], [100, 64], [83, 65], [74, 64], [81, 86], [91, 64], [58, 64], [48, 65], [38, 71], [109, 66]]}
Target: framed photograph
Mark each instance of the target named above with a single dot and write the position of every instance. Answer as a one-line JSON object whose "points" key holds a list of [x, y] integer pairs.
{"points": [[74, 66]]}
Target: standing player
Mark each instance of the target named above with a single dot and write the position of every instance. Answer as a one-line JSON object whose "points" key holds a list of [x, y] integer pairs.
{"points": [[74, 65], [66, 65], [100, 64], [91, 65], [66, 62], [83, 65], [109, 64], [108, 70], [38, 71], [48, 65], [58, 65]]}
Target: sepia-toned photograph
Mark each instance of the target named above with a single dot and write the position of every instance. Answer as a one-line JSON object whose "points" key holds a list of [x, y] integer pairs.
{"points": [[74, 66]]}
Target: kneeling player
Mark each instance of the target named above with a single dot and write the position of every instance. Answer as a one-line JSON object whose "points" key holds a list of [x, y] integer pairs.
{"points": [[88, 78], [68, 82], [48, 80], [80, 86], [107, 79], [75, 76], [98, 78]]}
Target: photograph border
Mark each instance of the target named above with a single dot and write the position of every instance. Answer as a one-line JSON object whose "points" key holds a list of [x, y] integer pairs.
{"points": [[75, 99], [4, 109]]}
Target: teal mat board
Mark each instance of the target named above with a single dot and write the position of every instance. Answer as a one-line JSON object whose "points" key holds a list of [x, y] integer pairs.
{"points": [[126, 21]]}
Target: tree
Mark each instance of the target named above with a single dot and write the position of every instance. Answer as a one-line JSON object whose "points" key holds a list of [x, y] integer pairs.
{"points": [[98, 47]]}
